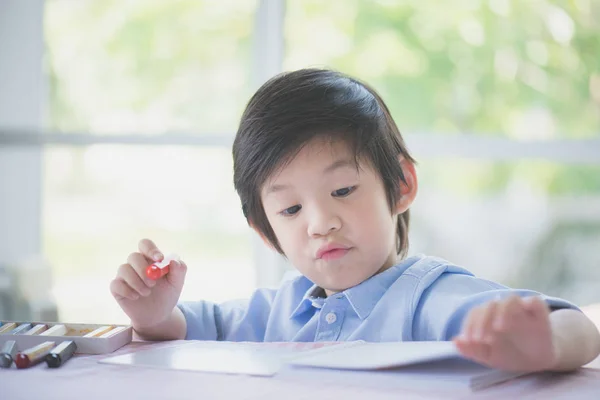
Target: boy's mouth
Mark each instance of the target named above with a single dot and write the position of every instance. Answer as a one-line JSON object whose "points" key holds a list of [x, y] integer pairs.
{"points": [[332, 251]]}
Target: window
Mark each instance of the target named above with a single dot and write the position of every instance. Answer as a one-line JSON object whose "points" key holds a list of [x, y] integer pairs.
{"points": [[528, 224], [505, 81], [148, 67], [523, 70], [101, 200], [499, 102], [145, 68]]}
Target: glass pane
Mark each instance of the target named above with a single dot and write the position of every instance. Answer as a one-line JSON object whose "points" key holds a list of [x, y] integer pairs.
{"points": [[148, 66], [526, 224], [528, 70], [99, 201]]}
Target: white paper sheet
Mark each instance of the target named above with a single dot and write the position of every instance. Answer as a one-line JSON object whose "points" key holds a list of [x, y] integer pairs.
{"points": [[379, 355], [263, 359], [402, 363], [409, 365]]}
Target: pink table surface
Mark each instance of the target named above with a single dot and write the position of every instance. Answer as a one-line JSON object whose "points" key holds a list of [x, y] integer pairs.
{"points": [[84, 378]]}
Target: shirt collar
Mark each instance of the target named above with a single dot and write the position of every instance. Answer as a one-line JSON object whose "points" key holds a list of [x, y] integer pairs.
{"points": [[362, 297], [313, 298]]}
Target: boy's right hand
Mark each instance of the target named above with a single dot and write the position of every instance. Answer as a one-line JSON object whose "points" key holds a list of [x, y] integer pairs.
{"points": [[148, 303]]}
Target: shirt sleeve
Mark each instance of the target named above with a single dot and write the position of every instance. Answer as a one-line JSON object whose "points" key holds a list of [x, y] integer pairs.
{"points": [[443, 306], [236, 320]]}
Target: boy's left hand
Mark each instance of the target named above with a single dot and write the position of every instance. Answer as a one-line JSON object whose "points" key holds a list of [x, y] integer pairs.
{"points": [[512, 334]]}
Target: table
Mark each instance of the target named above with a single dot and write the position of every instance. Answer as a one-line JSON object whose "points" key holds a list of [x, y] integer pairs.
{"points": [[84, 378]]}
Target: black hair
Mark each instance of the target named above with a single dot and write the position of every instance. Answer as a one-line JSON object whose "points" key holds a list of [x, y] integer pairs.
{"points": [[293, 108]]}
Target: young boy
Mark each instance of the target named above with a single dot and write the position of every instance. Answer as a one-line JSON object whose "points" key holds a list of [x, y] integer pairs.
{"points": [[325, 178]]}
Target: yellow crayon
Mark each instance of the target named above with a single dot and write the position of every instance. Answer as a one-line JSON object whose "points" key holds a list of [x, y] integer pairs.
{"points": [[9, 326], [113, 332], [100, 331]]}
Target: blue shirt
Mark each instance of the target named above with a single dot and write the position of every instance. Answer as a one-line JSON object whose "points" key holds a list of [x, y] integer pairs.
{"points": [[421, 298]]}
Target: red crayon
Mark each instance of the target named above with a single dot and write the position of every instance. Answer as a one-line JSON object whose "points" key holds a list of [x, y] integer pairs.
{"points": [[33, 355], [159, 269]]}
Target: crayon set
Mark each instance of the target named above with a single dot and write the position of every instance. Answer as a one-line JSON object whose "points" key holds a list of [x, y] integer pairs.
{"points": [[28, 343], [53, 355]]}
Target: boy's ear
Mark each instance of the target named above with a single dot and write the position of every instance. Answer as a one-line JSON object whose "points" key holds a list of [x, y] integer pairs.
{"points": [[408, 190]]}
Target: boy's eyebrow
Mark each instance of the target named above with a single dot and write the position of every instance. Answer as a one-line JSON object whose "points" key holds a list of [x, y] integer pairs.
{"points": [[343, 163], [276, 188]]}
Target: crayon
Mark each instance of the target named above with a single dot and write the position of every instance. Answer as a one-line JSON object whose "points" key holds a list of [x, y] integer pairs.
{"points": [[34, 355], [113, 332], [9, 326], [21, 329], [100, 331], [159, 269], [56, 330], [36, 330], [8, 353], [60, 354]]}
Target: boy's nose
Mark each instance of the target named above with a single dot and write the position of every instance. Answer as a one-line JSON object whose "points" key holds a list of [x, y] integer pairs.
{"points": [[323, 222]]}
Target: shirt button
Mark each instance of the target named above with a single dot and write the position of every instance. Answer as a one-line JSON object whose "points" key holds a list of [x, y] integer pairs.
{"points": [[330, 318]]}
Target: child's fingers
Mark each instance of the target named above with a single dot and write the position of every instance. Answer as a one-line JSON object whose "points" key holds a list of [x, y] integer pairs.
{"points": [[150, 250], [120, 290], [139, 263], [536, 307], [468, 342], [476, 351], [510, 313], [127, 273], [177, 271], [484, 331], [470, 326], [463, 345]]}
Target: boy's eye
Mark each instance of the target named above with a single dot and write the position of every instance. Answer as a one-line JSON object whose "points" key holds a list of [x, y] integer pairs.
{"points": [[343, 192], [291, 210]]}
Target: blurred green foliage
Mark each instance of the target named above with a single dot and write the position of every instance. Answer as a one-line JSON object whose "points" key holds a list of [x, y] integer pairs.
{"points": [[529, 70], [148, 67], [526, 70]]}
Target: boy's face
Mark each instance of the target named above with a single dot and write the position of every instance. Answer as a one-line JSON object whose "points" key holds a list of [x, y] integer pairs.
{"points": [[332, 221]]}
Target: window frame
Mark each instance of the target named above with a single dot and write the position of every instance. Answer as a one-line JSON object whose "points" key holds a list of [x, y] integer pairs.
{"points": [[267, 60]]}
